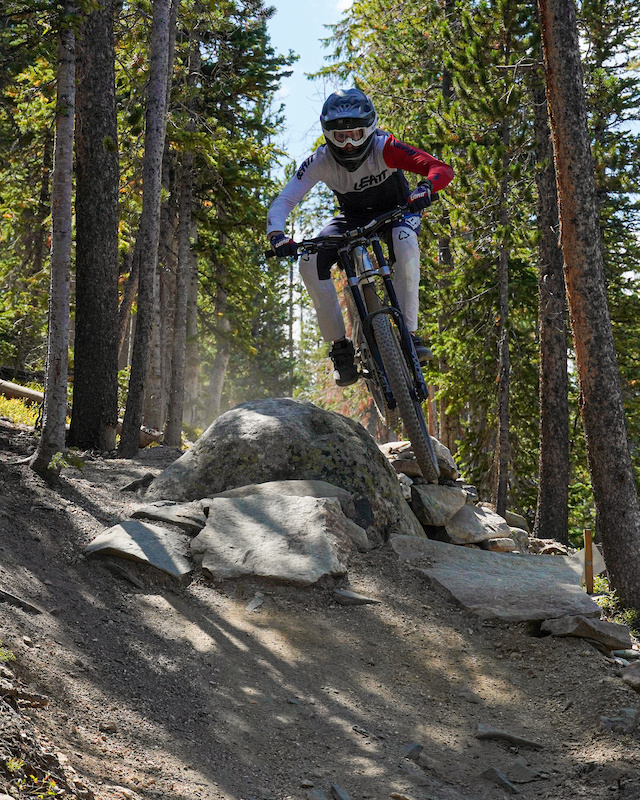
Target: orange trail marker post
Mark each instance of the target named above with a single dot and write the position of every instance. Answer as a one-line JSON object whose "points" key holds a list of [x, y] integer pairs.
{"points": [[588, 560]]}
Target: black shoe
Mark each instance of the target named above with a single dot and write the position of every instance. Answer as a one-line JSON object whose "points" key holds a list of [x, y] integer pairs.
{"points": [[345, 372], [422, 351]]}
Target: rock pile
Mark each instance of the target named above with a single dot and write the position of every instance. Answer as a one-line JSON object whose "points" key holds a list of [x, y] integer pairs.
{"points": [[278, 489], [285, 490], [450, 511], [287, 440]]}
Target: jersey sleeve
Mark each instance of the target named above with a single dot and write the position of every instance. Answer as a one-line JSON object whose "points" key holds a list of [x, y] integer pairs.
{"points": [[306, 177], [402, 156]]}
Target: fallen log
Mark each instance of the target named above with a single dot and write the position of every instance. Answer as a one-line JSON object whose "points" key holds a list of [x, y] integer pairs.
{"points": [[14, 390]]}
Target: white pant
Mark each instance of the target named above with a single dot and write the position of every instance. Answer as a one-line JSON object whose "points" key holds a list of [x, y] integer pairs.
{"points": [[406, 280]]}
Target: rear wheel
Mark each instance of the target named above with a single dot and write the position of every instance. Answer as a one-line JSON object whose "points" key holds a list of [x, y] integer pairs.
{"points": [[408, 405]]}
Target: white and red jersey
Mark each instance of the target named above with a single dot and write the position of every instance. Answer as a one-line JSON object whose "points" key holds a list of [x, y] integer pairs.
{"points": [[378, 185]]}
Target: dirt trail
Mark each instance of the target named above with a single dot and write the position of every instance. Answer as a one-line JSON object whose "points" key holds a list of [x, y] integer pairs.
{"points": [[251, 691]]}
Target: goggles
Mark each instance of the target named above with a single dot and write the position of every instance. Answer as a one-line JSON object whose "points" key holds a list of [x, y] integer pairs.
{"points": [[354, 137]]}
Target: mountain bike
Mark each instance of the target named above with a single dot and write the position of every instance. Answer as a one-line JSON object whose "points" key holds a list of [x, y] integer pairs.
{"points": [[385, 354]]}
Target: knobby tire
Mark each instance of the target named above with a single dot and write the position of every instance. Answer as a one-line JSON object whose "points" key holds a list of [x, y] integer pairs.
{"points": [[401, 386], [388, 416]]}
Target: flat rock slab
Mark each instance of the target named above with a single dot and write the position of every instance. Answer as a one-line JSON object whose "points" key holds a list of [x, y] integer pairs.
{"points": [[151, 544], [291, 488], [189, 516], [291, 539], [505, 586]]}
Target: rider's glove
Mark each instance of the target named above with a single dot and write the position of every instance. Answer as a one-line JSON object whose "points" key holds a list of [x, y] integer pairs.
{"points": [[420, 197], [283, 246]]}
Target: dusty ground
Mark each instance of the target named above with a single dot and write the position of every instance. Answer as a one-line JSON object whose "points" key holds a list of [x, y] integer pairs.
{"points": [[161, 690]]}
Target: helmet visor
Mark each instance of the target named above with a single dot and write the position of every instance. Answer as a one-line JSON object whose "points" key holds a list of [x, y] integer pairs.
{"points": [[341, 138]]}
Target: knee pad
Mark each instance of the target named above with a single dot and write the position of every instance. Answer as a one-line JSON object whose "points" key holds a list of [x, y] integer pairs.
{"points": [[407, 273]]}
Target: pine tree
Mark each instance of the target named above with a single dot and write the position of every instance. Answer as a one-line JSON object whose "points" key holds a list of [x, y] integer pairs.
{"points": [[95, 387], [52, 439], [615, 494]]}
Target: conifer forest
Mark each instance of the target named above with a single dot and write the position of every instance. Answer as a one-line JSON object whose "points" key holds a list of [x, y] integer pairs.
{"points": [[139, 154]]}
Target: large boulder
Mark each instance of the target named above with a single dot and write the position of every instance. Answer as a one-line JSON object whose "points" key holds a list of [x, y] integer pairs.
{"points": [[284, 439]]}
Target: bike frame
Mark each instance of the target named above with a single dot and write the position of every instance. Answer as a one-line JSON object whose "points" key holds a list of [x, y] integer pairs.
{"points": [[359, 272], [355, 260]]}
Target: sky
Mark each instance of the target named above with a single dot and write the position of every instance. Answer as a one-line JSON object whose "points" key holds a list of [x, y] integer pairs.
{"points": [[299, 25]]}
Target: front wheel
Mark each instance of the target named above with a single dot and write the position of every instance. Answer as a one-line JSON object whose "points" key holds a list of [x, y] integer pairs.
{"points": [[389, 417], [403, 391]]}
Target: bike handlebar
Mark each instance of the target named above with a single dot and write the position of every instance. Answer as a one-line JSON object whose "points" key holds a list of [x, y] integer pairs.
{"points": [[360, 232]]}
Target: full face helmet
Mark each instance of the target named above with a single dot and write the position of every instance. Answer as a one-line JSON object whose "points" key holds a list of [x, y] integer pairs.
{"points": [[348, 122]]}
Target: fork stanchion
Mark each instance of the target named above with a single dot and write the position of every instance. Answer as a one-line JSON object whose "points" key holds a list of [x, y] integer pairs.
{"points": [[588, 560]]}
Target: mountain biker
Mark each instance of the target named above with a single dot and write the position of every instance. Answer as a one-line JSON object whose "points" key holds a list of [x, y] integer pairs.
{"points": [[364, 167]]}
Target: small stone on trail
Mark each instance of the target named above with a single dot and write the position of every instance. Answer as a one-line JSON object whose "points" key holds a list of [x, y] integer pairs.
{"points": [[306, 784], [503, 545], [521, 772], [468, 695], [606, 635], [631, 675], [140, 483], [488, 732], [412, 751], [338, 793], [151, 544], [627, 654], [347, 597], [495, 775], [625, 722], [108, 727], [257, 601], [364, 732]]}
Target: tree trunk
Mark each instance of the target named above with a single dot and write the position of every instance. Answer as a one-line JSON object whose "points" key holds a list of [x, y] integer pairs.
{"points": [[448, 424], [128, 296], [95, 386], [552, 511], [44, 208], [155, 400], [157, 390], [173, 429], [223, 351], [55, 400], [503, 453], [192, 356], [149, 229], [602, 409]]}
